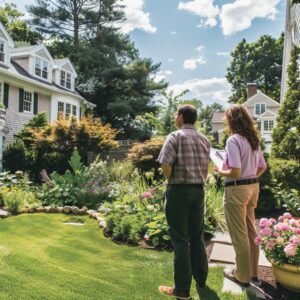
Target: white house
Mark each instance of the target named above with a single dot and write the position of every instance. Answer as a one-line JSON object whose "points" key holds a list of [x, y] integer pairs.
{"points": [[31, 81], [262, 108]]}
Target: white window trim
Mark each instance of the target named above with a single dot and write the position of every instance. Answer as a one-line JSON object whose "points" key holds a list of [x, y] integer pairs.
{"points": [[49, 68], [263, 125], [5, 49], [254, 110], [32, 102], [71, 80], [71, 109], [2, 92]]}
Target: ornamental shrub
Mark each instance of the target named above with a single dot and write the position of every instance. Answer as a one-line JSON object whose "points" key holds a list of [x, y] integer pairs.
{"points": [[14, 156], [144, 155]]}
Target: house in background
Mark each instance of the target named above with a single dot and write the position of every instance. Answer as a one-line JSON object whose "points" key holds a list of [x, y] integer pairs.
{"points": [[31, 81], [263, 109], [291, 38]]}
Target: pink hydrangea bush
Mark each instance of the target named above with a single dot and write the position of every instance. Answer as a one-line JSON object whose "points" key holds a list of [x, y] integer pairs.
{"points": [[280, 239]]}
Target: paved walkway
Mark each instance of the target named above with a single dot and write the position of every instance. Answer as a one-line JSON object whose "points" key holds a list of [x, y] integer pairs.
{"points": [[223, 253]]}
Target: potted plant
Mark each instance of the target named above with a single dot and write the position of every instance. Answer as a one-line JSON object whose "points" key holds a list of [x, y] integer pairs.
{"points": [[280, 240]]}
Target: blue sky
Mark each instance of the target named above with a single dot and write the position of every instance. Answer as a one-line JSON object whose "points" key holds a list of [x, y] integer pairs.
{"points": [[193, 38]]}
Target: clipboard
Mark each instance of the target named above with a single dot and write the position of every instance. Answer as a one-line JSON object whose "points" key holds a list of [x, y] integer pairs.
{"points": [[218, 157]]}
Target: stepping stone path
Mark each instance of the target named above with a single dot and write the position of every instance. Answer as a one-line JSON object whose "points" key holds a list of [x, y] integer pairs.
{"points": [[223, 253]]}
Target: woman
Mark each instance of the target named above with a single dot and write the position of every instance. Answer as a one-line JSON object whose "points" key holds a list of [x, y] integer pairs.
{"points": [[243, 165]]}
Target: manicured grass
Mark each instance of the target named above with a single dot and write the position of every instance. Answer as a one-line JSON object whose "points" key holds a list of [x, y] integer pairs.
{"points": [[41, 258]]}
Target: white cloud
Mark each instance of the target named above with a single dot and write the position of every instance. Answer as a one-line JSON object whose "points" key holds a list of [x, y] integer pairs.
{"points": [[223, 53], [205, 9], [162, 75], [238, 16], [136, 18], [170, 60], [193, 62], [215, 89], [174, 32]]}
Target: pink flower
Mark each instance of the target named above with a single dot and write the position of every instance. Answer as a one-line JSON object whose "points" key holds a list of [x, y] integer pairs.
{"points": [[287, 216], [276, 234], [273, 221], [266, 232], [293, 222], [294, 240], [280, 218], [147, 195], [297, 231], [264, 223], [284, 227], [257, 240], [290, 250], [270, 245]]}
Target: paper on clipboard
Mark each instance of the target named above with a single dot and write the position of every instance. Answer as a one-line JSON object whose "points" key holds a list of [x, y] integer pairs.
{"points": [[217, 156]]}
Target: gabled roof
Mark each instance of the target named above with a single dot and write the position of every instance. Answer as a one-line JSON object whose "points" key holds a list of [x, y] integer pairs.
{"points": [[218, 117], [267, 114], [7, 36], [260, 97], [59, 63], [31, 50]]}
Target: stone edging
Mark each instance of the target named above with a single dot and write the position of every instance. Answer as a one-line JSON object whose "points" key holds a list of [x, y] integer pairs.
{"points": [[65, 209]]}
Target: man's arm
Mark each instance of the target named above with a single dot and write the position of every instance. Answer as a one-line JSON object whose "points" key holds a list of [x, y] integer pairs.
{"points": [[167, 170]]}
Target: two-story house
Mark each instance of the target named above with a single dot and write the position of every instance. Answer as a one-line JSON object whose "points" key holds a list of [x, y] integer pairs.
{"points": [[31, 81], [263, 110]]}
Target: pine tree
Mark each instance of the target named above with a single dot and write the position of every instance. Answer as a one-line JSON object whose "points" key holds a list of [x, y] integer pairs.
{"points": [[286, 135]]}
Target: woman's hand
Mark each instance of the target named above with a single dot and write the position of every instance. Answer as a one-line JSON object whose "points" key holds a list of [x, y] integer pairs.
{"points": [[216, 170]]}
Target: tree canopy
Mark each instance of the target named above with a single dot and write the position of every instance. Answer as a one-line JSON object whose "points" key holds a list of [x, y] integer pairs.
{"points": [[286, 135], [13, 21], [259, 62], [111, 72]]}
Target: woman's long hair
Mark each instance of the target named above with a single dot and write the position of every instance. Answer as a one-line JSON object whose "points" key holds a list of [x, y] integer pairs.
{"points": [[239, 121]]}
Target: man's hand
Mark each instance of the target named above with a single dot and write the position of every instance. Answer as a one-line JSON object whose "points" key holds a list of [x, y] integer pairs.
{"points": [[167, 170]]}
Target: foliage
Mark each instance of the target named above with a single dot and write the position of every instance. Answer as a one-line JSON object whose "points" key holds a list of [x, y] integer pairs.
{"points": [[214, 207], [15, 199], [50, 147], [144, 155], [291, 200], [15, 156], [286, 173], [280, 239], [286, 135], [260, 62], [13, 21]]}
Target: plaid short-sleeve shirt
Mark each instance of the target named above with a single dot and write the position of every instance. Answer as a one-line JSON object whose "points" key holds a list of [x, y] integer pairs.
{"points": [[187, 151]]}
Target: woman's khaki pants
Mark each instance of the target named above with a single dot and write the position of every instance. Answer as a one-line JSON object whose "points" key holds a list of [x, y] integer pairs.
{"points": [[239, 204]]}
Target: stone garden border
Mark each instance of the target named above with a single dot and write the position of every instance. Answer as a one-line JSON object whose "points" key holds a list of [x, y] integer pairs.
{"points": [[65, 210]]}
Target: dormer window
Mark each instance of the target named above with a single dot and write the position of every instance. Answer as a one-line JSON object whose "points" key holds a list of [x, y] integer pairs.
{"points": [[41, 68], [260, 108], [65, 79], [2, 51]]}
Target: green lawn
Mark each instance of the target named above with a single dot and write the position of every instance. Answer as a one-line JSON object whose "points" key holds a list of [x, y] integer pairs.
{"points": [[41, 258]]}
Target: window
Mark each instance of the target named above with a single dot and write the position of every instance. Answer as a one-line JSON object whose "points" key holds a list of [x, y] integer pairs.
{"points": [[268, 125], [65, 79], [41, 68], [62, 78], [60, 110], [68, 83], [68, 111], [74, 110], [260, 108], [2, 51], [27, 103]]}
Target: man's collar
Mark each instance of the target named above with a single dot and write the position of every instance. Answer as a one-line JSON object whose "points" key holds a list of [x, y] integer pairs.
{"points": [[187, 126]]}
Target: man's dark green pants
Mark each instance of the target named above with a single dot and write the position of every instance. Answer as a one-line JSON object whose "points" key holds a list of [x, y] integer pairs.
{"points": [[184, 208]]}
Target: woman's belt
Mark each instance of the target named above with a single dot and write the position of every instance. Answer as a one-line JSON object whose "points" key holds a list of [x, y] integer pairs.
{"points": [[242, 182]]}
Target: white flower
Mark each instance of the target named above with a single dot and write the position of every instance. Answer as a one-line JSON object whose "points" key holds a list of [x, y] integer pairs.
{"points": [[150, 207]]}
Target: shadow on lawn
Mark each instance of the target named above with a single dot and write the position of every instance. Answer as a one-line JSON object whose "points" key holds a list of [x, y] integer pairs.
{"points": [[208, 294]]}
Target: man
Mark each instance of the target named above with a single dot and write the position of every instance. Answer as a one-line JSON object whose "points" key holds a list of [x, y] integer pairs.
{"points": [[184, 160]]}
